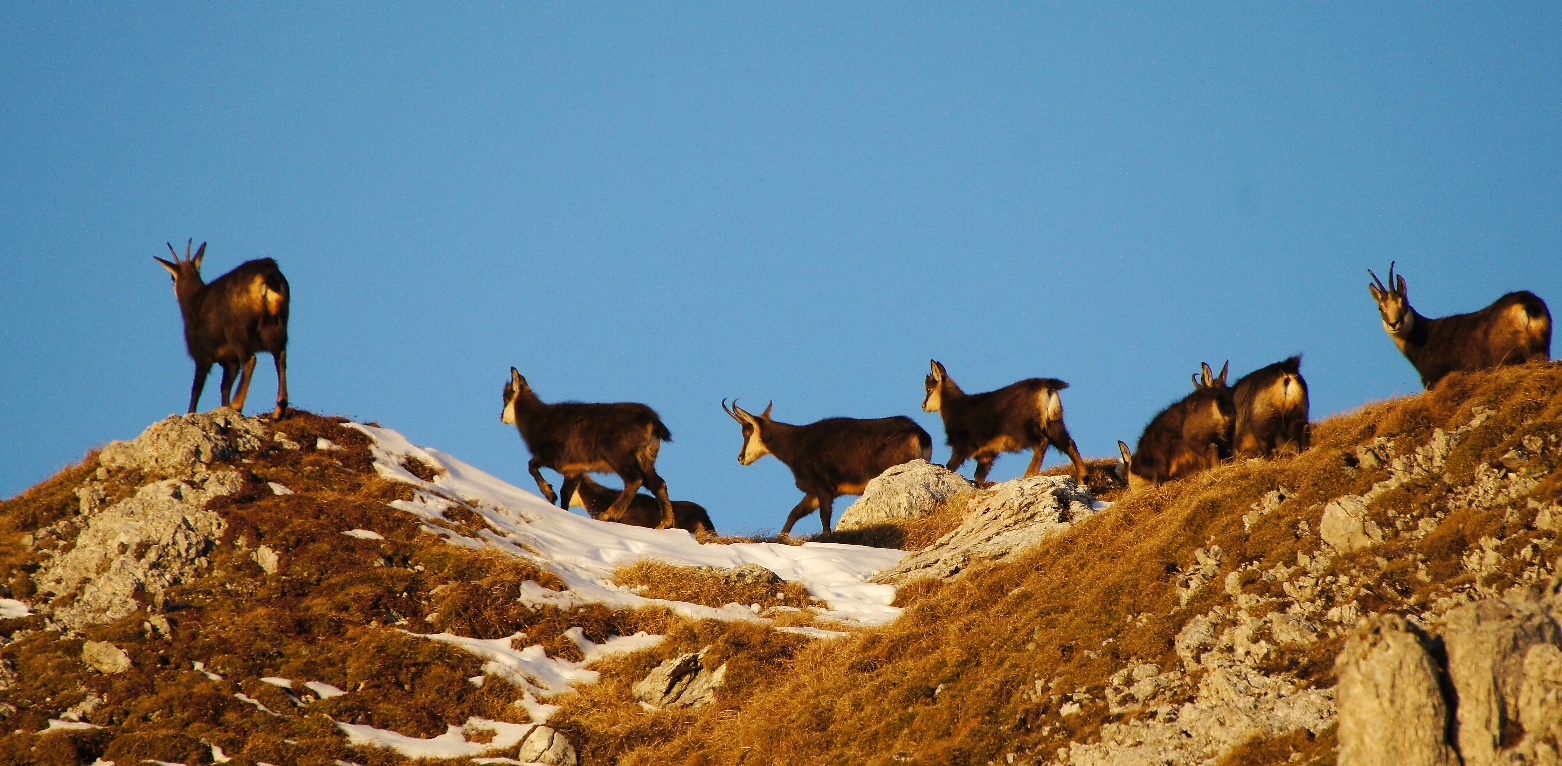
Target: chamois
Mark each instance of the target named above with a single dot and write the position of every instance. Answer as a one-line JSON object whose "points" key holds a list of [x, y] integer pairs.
{"points": [[229, 321], [1271, 410], [1514, 329], [575, 438], [1191, 435], [643, 510], [830, 457], [1019, 415]]}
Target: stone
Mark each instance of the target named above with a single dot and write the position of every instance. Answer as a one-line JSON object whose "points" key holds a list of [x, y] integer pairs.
{"points": [[1004, 521], [1345, 525], [751, 574], [681, 682], [180, 446], [105, 657], [544, 744], [1488, 643], [267, 559], [1540, 694], [906, 491], [1391, 707]]}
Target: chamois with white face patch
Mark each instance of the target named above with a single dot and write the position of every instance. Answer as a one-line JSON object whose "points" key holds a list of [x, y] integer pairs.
{"points": [[1271, 410], [1190, 436], [1515, 329], [830, 457], [229, 321], [1010, 419], [643, 509], [575, 438]]}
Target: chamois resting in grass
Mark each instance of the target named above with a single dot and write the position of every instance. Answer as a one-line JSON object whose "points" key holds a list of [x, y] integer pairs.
{"points": [[643, 509], [1271, 410], [830, 457], [1191, 435], [1514, 329], [229, 321], [1012, 418], [575, 438]]}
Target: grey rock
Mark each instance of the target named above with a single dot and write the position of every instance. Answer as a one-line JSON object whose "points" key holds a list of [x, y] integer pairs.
{"points": [[1488, 646], [751, 574], [1005, 520], [544, 744], [152, 540], [105, 657], [1345, 525], [906, 491], [267, 559], [1391, 708], [1540, 694], [182, 445], [681, 682]]}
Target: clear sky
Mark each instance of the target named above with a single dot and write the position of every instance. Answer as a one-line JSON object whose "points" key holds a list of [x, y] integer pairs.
{"points": [[674, 203]]}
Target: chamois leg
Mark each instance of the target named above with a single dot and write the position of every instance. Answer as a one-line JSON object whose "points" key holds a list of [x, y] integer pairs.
{"points": [[1059, 437], [659, 488], [245, 373], [957, 458], [229, 371], [826, 504], [984, 463], [201, 371], [1036, 454], [567, 490], [534, 467], [807, 506], [280, 357], [615, 512]]}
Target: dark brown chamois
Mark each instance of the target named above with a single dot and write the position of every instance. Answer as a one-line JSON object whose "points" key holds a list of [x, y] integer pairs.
{"points": [[1271, 410], [1191, 435], [575, 438], [830, 457], [1515, 329], [1012, 418], [643, 510], [229, 321]]}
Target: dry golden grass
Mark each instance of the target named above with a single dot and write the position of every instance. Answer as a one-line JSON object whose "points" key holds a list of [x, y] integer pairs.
{"points": [[710, 587]]}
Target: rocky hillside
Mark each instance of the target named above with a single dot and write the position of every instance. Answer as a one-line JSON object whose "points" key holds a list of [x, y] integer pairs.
{"points": [[228, 590]]}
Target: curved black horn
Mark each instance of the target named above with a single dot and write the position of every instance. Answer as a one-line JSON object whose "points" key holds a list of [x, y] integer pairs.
{"points": [[189, 243], [172, 251], [1391, 273], [1378, 281]]}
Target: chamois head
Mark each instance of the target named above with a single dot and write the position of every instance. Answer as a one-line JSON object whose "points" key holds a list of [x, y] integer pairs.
{"points": [[934, 400], [512, 392], [186, 271], [1393, 303], [1206, 378], [753, 445]]}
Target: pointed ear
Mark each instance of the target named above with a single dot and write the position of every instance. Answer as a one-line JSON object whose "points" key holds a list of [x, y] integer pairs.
{"points": [[1220, 380], [1403, 293], [1377, 294], [172, 269], [1122, 449], [1208, 375], [768, 407], [516, 379], [199, 254]]}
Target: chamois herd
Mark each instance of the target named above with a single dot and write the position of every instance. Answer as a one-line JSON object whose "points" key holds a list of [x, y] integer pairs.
{"points": [[245, 311]]}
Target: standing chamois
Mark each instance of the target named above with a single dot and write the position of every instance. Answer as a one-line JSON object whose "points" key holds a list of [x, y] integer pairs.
{"points": [[229, 321], [575, 438], [1191, 435], [830, 457], [643, 510], [1271, 410], [1019, 415], [1515, 329]]}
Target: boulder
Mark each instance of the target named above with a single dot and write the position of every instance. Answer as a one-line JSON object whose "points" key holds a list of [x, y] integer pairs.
{"points": [[1390, 704], [1345, 525], [1004, 520], [1489, 646], [906, 491], [683, 681], [182, 445], [105, 657], [546, 745]]}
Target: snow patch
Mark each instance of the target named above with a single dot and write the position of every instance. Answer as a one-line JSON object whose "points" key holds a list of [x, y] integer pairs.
{"points": [[364, 534], [323, 690], [11, 609], [452, 744], [278, 489]]}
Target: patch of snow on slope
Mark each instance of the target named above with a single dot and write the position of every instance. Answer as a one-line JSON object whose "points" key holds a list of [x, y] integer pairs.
{"points": [[452, 744], [583, 552], [11, 609]]}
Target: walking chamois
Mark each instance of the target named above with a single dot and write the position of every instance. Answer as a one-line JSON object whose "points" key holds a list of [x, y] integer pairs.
{"points": [[230, 320], [1012, 418], [643, 510], [575, 438], [830, 457], [1514, 329], [1271, 410], [1191, 435]]}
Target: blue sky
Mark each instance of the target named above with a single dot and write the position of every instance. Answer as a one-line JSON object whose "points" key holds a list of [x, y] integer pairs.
{"points": [[801, 202]]}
